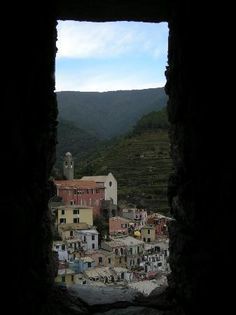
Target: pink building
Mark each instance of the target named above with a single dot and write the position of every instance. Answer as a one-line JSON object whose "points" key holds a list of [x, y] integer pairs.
{"points": [[118, 225], [81, 192], [160, 223]]}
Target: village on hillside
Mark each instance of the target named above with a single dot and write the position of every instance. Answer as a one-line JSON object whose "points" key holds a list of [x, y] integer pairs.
{"points": [[133, 251]]}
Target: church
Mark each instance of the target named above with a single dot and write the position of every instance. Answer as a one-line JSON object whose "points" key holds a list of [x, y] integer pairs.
{"points": [[98, 192]]}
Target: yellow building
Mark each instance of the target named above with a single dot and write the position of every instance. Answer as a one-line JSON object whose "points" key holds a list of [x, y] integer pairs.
{"points": [[102, 257], [69, 230], [137, 234], [66, 276], [74, 214], [148, 234]]}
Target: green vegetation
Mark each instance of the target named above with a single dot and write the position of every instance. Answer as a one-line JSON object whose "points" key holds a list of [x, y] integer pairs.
{"points": [[102, 227], [123, 132], [75, 140], [140, 162], [152, 121], [109, 114]]}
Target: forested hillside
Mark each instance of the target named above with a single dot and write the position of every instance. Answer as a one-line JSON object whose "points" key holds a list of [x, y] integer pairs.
{"points": [[140, 162], [109, 114], [75, 140]]}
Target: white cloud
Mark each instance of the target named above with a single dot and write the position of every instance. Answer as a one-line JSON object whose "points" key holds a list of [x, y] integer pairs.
{"points": [[110, 56], [103, 40], [105, 82]]}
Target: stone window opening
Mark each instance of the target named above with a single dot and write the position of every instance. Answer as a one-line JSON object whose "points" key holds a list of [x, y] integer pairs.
{"points": [[123, 226], [186, 62]]}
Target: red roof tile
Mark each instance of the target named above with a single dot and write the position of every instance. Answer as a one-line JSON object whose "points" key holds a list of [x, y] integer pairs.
{"points": [[75, 183]]}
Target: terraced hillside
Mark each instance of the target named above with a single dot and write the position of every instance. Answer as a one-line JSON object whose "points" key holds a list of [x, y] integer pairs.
{"points": [[141, 164]]}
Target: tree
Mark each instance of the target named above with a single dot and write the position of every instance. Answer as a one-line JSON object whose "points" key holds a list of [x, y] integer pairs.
{"points": [[102, 227]]}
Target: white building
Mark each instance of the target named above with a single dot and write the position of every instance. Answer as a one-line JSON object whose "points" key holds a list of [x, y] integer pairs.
{"points": [[89, 238], [156, 256], [61, 249], [107, 181]]}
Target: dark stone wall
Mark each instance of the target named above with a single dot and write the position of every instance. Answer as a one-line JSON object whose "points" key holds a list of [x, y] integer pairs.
{"points": [[201, 190], [28, 130], [113, 10]]}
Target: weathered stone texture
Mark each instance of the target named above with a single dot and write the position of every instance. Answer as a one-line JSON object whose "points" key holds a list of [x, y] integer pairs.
{"points": [[199, 193], [201, 190]]}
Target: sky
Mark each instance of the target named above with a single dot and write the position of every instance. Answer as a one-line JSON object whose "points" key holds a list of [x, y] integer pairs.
{"points": [[110, 56]]}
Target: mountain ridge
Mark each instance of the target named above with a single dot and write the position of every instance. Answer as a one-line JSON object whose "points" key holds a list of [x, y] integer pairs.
{"points": [[108, 114]]}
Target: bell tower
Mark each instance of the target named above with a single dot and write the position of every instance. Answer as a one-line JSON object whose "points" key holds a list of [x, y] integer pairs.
{"points": [[68, 166]]}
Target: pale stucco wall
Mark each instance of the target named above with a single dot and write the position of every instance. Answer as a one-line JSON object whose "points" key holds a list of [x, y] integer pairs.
{"points": [[111, 188]]}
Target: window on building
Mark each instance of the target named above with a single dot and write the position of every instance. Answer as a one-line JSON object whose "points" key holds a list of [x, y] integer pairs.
{"points": [[93, 237], [93, 246], [148, 231], [100, 260], [63, 279], [63, 247], [149, 240], [72, 202], [109, 260], [72, 278], [75, 191], [76, 211], [62, 212], [144, 239], [71, 233], [76, 220], [120, 260], [62, 220], [89, 264], [110, 183]]}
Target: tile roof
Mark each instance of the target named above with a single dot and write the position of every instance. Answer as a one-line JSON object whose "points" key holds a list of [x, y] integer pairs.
{"points": [[98, 179], [72, 226], [119, 218], [86, 259], [98, 253], [76, 183]]}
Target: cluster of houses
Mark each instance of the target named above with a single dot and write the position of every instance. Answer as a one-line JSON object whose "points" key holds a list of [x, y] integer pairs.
{"points": [[135, 249]]}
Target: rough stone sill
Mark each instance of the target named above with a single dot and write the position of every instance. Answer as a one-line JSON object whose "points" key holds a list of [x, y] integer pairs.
{"points": [[62, 303]]}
